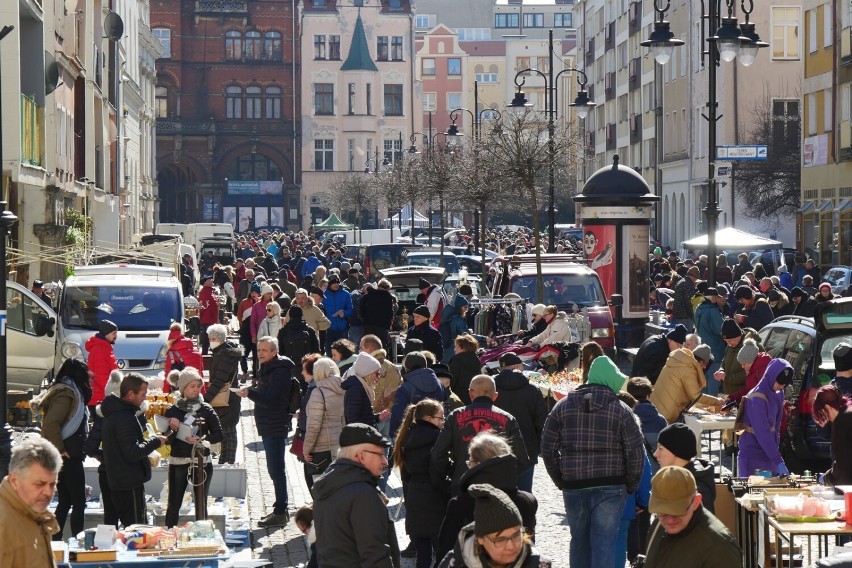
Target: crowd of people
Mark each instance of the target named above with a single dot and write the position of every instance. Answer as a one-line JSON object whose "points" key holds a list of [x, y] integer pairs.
{"points": [[306, 338]]}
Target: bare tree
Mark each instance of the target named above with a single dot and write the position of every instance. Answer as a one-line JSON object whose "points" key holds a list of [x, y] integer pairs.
{"points": [[773, 186], [352, 194]]}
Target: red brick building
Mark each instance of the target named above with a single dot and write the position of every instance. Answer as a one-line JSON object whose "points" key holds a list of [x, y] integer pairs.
{"points": [[228, 111]]}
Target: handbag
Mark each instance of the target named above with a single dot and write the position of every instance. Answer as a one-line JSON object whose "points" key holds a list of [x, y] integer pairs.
{"points": [[223, 397], [639, 561], [298, 444]]}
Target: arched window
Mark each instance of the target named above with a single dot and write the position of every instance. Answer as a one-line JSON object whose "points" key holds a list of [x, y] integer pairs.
{"points": [[273, 102], [253, 46], [233, 45], [233, 102], [272, 46], [254, 167], [253, 102]]}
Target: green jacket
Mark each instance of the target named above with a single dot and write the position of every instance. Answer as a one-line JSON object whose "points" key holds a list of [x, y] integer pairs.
{"points": [[735, 375], [704, 543]]}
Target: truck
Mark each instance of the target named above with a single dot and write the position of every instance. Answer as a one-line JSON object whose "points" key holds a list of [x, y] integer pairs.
{"points": [[197, 231], [361, 236]]}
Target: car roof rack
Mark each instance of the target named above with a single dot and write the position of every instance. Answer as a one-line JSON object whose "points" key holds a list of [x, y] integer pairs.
{"points": [[548, 257], [795, 319]]}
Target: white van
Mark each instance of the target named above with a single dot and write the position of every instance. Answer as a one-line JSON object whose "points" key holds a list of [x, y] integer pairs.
{"points": [[197, 231], [171, 229], [30, 338], [143, 301]]}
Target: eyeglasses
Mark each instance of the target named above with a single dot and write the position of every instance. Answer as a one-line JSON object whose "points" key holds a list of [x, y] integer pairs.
{"points": [[441, 418], [384, 457], [502, 541]]}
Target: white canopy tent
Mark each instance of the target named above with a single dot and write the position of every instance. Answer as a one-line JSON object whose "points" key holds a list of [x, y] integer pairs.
{"points": [[420, 220], [733, 239]]}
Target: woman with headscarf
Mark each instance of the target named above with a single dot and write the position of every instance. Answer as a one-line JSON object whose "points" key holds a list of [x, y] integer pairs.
{"points": [[65, 423], [360, 394]]}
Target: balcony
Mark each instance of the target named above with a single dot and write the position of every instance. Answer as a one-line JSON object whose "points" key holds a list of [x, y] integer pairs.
{"points": [[175, 126], [610, 136], [32, 132], [609, 86], [609, 37], [221, 7], [845, 47], [590, 51], [635, 128], [845, 141], [635, 72], [635, 22]]}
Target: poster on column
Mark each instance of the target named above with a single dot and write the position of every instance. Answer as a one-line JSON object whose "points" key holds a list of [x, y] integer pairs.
{"points": [[636, 269], [261, 216], [246, 218], [276, 217], [229, 215], [599, 245]]}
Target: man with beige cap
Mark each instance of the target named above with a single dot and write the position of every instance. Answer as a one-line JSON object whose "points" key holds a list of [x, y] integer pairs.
{"points": [[685, 533]]}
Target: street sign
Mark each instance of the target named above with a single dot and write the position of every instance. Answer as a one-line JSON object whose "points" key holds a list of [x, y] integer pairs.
{"points": [[748, 152], [723, 169]]}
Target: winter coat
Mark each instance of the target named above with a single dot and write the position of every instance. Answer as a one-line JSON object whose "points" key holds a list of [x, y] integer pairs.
{"points": [[425, 498], [430, 337], [557, 331], [25, 534], [464, 366], [758, 367], [295, 340], [125, 450], [271, 395], [708, 324], [314, 317], [683, 292], [651, 421], [537, 328], [258, 314], [735, 375], [758, 315], [102, 362], [499, 472], [211, 428], [591, 439], [209, 313], [183, 349], [357, 406], [651, 358], [376, 308], [805, 308], [310, 266], [389, 381], [269, 326], [680, 383], [416, 385], [523, 401], [841, 458], [224, 365], [453, 323], [704, 473], [465, 423], [59, 404], [759, 443], [334, 302], [325, 420], [463, 554], [352, 523], [704, 543], [641, 496]]}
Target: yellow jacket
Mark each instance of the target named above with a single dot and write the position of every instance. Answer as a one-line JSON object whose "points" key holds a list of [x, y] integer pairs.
{"points": [[25, 535], [680, 382]]}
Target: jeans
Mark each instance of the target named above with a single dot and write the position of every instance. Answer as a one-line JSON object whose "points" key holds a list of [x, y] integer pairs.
{"points": [[275, 448], [110, 513], [423, 546], [333, 335], [593, 516], [178, 483], [621, 544], [356, 332], [130, 506], [525, 479], [72, 495]]}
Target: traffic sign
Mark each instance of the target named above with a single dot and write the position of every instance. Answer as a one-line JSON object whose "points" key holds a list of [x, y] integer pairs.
{"points": [[748, 152]]}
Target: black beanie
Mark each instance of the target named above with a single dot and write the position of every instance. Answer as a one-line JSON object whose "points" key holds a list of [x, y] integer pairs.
{"points": [[679, 440], [744, 293], [731, 329], [105, 327], [842, 355], [423, 283], [295, 312], [422, 311], [494, 511]]}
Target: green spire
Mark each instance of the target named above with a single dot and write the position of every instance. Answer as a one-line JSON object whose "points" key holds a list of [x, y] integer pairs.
{"points": [[359, 54]]}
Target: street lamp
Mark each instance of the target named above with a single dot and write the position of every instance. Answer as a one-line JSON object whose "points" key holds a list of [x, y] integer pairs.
{"points": [[729, 40], [7, 220], [582, 104]]}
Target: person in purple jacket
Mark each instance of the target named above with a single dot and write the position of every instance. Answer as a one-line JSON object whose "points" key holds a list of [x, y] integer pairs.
{"points": [[761, 421]]}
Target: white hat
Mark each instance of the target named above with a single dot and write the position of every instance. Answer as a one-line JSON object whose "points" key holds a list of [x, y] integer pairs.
{"points": [[538, 309], [266, 289], [357, 265], [365, 365]]}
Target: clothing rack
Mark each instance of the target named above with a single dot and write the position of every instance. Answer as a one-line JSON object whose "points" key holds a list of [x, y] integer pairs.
{"points": [[496, 301], [483, 316]]}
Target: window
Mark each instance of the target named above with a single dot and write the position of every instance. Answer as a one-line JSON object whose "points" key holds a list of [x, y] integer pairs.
{"points": [[453, 101], [486, 77], [324, 155], [350, 147], [827, 27], [828, 111], [453, 66], [233, 45], [393, 100], [505, 20], [165, 37], [324, 99], [562, 20], [533, 20], [334, 47], [319, 3], [233, 102], [473, 34], [395, 4], [812, 114], [369, 99], [429, 101], [319, 47], [253, 102], [429, 66], [351, 98], [161, 96], [254, 167], [489, 114], [396, 48], [392, 149], [785, 32], [522, 63], [272, 46], [425, 21], [253, 46], [812, 29], [273, 102], [382, 48]]}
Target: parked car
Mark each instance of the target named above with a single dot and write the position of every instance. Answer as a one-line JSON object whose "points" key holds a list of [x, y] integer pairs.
{"points": [[404, 281], [451, 285], [374, 259], [840, 277], [459, 250], [473, 264], [30, 337], [433, 258]]}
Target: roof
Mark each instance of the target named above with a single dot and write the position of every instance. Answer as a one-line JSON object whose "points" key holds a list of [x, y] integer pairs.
{"points": [[359, 58], [733, 239], [616, 184], [333, 222], [484, 47]]}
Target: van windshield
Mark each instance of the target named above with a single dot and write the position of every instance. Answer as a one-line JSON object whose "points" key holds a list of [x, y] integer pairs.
{"points": [[562, 290], [131, 308]]}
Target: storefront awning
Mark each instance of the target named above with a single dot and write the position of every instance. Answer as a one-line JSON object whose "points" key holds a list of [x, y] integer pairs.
{"points": [[807, 207], [843, 205], [825, 205]]}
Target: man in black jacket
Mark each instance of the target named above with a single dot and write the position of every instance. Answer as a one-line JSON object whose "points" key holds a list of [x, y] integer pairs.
{"points": [[376, 309], [270, 396], [425, 332], [523, 401], [352, 523], [654, 351], [126, 449]]}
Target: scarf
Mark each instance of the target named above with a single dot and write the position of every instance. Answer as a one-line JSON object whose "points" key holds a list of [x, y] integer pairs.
{"points": [[78, 415], [189, 405], [368, 388]]}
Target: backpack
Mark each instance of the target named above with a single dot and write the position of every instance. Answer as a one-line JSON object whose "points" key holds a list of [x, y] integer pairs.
{"points": [[443, 301], [296, 346], [739, 422], [294, 403]]}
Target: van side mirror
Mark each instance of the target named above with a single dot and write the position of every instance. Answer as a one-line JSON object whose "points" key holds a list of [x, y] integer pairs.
{"points": [[616, 300], [43, 325]]}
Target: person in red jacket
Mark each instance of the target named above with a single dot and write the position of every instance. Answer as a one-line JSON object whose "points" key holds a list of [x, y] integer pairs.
{"points": [[101, 359], [181, 354], [209, 313]]}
